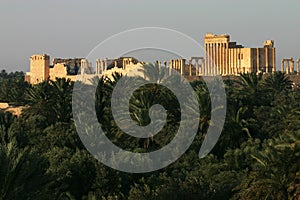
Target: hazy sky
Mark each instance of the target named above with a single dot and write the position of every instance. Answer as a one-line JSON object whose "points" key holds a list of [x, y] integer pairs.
{"points": [[65, 28]]}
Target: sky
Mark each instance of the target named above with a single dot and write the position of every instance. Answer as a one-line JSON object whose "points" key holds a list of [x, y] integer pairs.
{"points": [[68, 29]]}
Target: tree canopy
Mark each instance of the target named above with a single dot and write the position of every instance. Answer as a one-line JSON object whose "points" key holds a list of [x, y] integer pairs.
{"points": [[256, 157]]}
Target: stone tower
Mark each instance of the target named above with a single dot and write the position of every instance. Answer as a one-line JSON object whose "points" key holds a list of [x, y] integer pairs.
{"points": [[39, 68]]}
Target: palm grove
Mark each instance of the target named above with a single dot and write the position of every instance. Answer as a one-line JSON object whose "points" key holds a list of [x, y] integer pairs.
{"points": [[256, 157]]}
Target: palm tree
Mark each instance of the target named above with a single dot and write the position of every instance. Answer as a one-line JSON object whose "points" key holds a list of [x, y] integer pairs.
{"points": [[204, 105], [250, 81], [51, 99], [249, 92], [278, 82], [140, 103], [6, 120], [38, 97], [61, 97], [22, 173], [249, 85], [275, 173], [13, 87]]}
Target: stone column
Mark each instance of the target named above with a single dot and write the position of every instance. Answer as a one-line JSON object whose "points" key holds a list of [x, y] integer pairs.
{"points": [[170, 67], [282, 65], [229, 65], [83, 65], [206, 61], [165, 64], [238, 60], [292, 66], [97, 66], [215, 60], [232, 62], [226, 64], [222, 62], [219, 58], [212, 59], [235, 61], [219, 65], [257, 60], [209, 59], [100, 66], [158, 64], [229, 61], [226, 60], [174, 64], [220, 70], [105, 64], [267, 59], [273, 60], [201, 68], [123, 64], [190, 67], [297, 65], [182, 64], [205, 57], [197, 67]]}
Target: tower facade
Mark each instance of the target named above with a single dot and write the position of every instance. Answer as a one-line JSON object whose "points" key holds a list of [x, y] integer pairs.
{"points": [[39, 68]]}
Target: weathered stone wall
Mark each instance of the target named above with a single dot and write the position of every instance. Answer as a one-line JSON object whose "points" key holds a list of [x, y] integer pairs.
{"points": [[70, 61], [39, 68], [58, 71]]}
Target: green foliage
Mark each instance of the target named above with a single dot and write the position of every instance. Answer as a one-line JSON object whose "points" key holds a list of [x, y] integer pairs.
{"points": [[51, 99], [13, 87], [256, 157]]}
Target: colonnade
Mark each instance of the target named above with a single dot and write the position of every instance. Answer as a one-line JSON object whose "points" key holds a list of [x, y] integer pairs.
{"points": [[216, 59], [288, 66], [85, 66], [101, 65], [199, 66], [195, 66]]}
